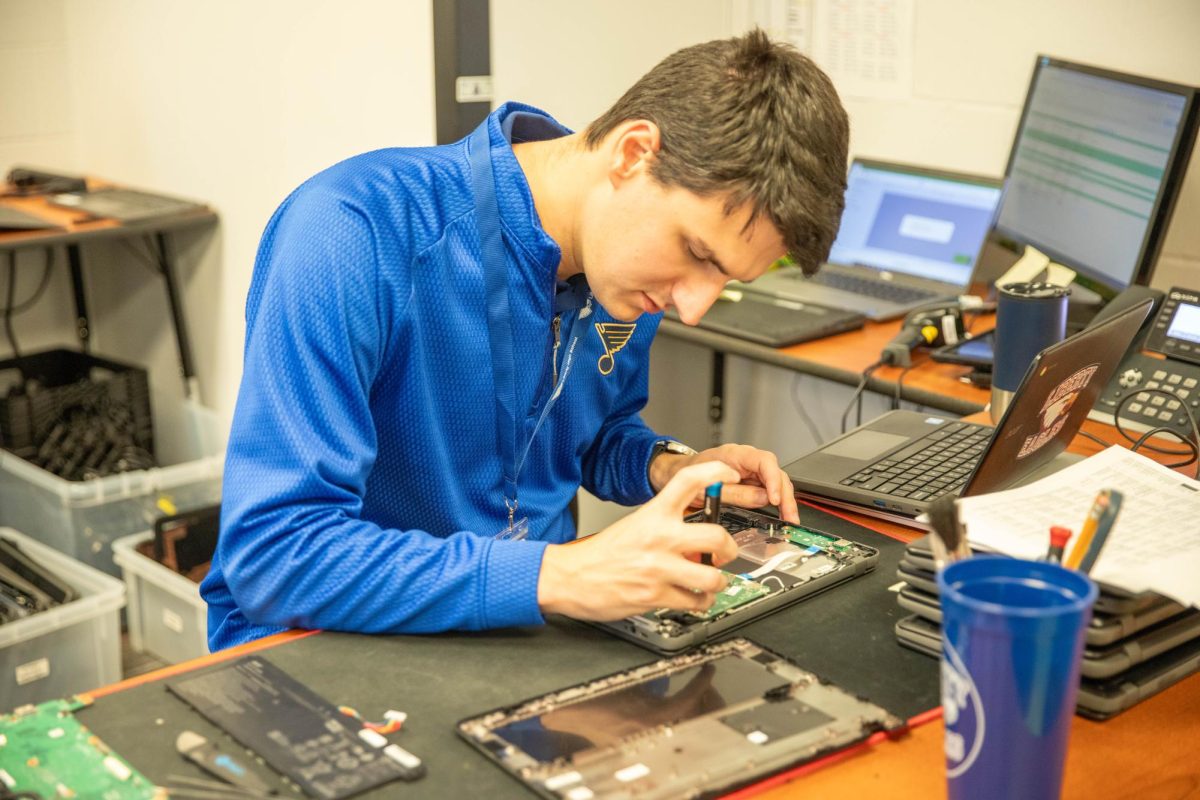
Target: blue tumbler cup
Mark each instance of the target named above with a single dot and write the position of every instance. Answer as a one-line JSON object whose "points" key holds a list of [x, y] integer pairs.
{"points": [[1029, 318], [1012, 641]]}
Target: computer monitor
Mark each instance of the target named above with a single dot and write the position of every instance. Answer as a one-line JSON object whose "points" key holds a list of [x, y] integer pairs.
{"points": [[1095, 168]]}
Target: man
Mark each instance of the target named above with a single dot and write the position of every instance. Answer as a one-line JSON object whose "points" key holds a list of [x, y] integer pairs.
{"points": [[443, 342]]}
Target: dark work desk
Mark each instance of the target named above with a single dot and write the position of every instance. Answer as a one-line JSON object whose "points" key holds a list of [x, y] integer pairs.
{"points": [[844, 634], [77, 228]]}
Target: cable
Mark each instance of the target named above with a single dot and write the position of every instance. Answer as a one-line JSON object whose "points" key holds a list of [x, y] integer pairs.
{"points": [[1193, 444], [1095, 438], [43, 282], [8, 304], [900, 386], [857, 396], [803, 412]]}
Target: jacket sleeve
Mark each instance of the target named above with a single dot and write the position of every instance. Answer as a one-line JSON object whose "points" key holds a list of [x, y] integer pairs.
{"points": [[294, 548]]}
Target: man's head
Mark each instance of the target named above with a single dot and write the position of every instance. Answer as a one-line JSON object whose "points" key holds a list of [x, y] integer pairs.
{"points": [[719, 160]]}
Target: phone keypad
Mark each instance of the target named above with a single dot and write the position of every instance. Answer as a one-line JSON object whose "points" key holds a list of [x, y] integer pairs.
{"points": [[1153, 407]]}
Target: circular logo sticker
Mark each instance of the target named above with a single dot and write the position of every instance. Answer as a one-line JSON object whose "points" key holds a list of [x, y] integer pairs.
{"points": [[963, 713]]}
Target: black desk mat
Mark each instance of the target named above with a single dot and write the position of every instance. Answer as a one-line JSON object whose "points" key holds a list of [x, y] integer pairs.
{"points": [[844, 634]]}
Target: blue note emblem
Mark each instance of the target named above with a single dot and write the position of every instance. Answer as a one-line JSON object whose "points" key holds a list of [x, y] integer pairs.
{"points": [[614, 335], [963, 713]]}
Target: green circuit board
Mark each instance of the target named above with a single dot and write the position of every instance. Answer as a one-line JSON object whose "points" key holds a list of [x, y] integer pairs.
{"points": [[44, 749], [739, 592], [806, 538]]}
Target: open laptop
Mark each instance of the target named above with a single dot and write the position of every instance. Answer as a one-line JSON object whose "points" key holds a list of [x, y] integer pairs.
{"points": [[895, 466], [909, 236]]}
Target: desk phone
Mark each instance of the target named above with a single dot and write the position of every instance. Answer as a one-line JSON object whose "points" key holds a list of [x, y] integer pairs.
{"points": [[1165, 356]]}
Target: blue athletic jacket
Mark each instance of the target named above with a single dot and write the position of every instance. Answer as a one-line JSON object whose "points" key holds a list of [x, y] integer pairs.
{"points": [[363, 486]]}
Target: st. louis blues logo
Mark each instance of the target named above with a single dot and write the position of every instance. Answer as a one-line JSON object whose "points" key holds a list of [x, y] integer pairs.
{"points": [[614, 335], [962, 711]]}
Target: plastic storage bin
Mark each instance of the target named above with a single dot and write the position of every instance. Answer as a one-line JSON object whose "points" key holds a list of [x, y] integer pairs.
{"points": [[70, 648], [167, 618], [84, 518]]}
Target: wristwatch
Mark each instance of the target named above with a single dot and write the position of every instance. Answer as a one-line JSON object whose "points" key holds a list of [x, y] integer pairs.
{"points": [[667, 446]]}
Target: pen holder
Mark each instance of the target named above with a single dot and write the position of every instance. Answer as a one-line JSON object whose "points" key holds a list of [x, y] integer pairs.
{"points": [[1029, 318], [1012, 642]]}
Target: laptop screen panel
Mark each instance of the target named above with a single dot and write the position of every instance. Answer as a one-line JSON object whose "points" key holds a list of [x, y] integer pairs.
{"points": [[1049, 407], [918, 222]]}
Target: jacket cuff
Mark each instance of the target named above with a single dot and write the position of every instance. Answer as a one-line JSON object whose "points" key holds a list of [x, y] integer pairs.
{"points": [[509, 586]]}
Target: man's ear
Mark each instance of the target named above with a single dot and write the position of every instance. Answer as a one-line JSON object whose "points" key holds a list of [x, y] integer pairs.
{"points": [[635, 144]]}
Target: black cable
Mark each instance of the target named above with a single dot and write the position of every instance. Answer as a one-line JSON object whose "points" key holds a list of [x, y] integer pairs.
{"points": [[803, 412], [900, 386], [1193, 444], [43, 282], [8, 304], [857, 396], [1095, 438]]}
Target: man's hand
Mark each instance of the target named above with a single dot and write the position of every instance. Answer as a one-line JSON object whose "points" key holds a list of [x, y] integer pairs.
{"points": [[641, 562], [762, 480]]}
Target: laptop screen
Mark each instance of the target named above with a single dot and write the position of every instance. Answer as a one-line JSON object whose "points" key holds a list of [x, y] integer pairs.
{"points": [[920, 222]]}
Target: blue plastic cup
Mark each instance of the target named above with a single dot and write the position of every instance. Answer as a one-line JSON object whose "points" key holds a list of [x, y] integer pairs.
{"points": [[1012, 640]]}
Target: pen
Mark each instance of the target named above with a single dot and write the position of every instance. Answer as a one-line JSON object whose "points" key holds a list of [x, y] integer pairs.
{"points": [[1088, 531], [712, 513], [1107, 519], [1059, 536]]}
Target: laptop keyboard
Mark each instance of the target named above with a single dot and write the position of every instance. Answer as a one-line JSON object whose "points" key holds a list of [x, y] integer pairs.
{"points": [[938, 464], [878, 289]]}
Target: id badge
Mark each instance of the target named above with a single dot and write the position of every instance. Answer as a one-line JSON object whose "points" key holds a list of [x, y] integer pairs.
{"points": [[516, 531]]}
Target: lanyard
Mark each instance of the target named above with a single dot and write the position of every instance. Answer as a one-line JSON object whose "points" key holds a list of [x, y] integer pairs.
{"points": [[499, 321]]}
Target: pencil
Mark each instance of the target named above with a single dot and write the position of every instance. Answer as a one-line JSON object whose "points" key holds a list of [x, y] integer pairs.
{"points": [[1089, 530], [1108, 518]]}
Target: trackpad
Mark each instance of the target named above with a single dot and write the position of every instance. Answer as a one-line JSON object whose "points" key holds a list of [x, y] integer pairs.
{"points": [[864, 445]]}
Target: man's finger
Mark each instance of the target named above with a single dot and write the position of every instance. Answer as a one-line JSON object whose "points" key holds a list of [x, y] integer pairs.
{"points": [[788, 508], [703, 537], [691, 575], [745, 496], [691, 480], [681, 599], [767, 471]]}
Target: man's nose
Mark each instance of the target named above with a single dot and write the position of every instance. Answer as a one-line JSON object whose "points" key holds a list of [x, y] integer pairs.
{"points": [[693, 298]]}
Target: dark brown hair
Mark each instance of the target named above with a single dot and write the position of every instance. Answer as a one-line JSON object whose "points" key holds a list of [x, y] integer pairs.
{"points": [[753, 119]]}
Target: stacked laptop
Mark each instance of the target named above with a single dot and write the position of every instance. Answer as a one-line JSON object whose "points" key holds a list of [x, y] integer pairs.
{"points": [[1136, 646]]}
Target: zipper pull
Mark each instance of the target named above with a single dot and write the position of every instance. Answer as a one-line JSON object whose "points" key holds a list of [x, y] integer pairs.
{"points": [[556, 327]]}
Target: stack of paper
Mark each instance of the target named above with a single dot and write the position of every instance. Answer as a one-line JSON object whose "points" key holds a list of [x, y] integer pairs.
{"points": [[1154, 545]]}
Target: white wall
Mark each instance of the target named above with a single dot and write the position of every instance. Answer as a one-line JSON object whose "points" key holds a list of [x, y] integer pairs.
{"points": [[234, 103]]}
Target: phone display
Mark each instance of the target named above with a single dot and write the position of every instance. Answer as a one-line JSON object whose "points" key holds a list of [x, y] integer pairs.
{"points": [[977, 351]]}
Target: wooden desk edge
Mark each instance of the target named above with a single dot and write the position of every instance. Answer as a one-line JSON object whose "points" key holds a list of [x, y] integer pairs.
{"points": [[793, 358], [203, 661]]}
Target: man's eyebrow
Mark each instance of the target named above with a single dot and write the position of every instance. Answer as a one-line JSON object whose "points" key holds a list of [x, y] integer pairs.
{"points": [[712, 256]]}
